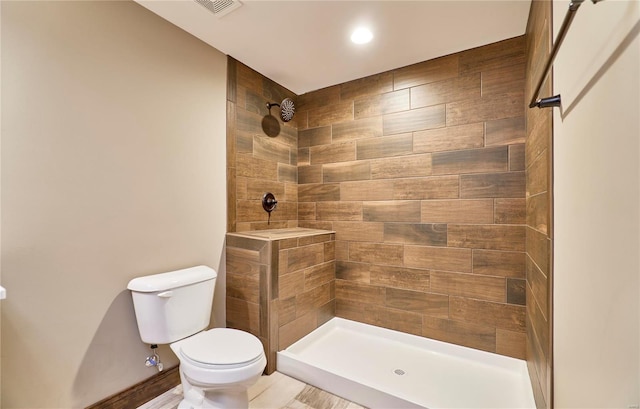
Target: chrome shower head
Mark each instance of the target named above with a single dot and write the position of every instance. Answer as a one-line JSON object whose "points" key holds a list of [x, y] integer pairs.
{"points": [[287, 109]]}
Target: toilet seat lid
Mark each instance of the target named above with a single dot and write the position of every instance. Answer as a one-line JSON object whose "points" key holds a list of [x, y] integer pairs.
{"points": [[222, 346]]}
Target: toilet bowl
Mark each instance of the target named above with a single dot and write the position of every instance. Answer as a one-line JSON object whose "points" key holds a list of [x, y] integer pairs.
{"points": [[217, 367]]}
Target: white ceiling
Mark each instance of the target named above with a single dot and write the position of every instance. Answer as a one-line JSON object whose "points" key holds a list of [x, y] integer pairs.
{"points": [[305, 45]]}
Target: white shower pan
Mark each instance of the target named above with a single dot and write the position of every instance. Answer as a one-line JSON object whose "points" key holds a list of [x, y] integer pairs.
{"points": [[381, 368]]}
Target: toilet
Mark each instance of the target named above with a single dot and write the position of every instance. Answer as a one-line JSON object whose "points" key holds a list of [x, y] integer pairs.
{"points": [[218, 365]]}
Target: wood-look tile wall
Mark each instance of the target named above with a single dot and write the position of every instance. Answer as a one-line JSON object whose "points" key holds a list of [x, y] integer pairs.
{"points": [[539, 235], [261, 152], [280, 290], [421, 173]]}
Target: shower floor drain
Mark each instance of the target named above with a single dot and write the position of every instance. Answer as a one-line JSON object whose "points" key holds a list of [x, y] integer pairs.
{"points": [[399, 372]]}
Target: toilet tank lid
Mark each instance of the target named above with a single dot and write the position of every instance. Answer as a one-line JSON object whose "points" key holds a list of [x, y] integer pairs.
{"points": [[172, 279]]}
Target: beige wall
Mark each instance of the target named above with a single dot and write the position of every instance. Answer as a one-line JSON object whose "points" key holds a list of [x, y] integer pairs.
{"points": [[597, 208], [113, 165]]}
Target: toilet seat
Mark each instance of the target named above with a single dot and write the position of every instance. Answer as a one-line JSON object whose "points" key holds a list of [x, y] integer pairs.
{"points": [[221, 348]]}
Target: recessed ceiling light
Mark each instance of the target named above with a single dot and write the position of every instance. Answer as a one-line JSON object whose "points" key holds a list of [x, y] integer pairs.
{"points": [[361, 35]]}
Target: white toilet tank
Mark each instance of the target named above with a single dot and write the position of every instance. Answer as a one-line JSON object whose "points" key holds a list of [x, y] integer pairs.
{"points": [[174, 305]]}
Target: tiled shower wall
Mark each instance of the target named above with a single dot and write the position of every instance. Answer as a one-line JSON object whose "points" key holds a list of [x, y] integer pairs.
{"points": [[539, 210], [261, 152], [280, 290], [420, 171]]}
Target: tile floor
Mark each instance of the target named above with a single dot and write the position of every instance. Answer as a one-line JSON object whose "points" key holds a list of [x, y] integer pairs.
{"points": [[276, 391]]}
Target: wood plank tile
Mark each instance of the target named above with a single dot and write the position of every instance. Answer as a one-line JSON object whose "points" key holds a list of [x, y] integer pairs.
{"points": [[483, 160], [326, 312], [442, 92], [438, 258], [425, 72], [510, 211], [504, 316], [507, 131], [290, 284], [309, 174], [381, 104], [303, 257], [539, 133], [539, 324], [296, 329], [330, 114], [319, 98], [319, 275], [399, 277], [402, 167], [457, 211], [243, 287], [505, 185], [350, 271], [359, 231], [243, 315], [251, 210], [391, 211], [538, 175], [319, 192], [436, 305], [286, 310], [488, 237], [361, 293], [250, 167], [375, 253], [503, 79], [539, 249], [437, 187], [367, 190], [314, 137], [487, 108], [539, 287], [339, 211], [516, 157], [309, 301], [303, 157], [511, 343], [350, 310], [467, 334], [469, 285], [414, 120], [306, 211], [290, 192], [371, 85], [338, 152], [386, 146], [516, 293], [247, 77], [346, 171], [503, 53], [356, 129], [257, 188], [287, 173], [330, 250], [450, 138], [397, 320], [499, 263], [415, 233]]}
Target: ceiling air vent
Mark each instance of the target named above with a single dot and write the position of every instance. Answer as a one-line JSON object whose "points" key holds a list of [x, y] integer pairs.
{"points": [[220, 7]]}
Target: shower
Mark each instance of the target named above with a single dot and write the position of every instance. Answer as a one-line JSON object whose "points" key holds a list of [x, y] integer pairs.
{"points": [[287, 109]]}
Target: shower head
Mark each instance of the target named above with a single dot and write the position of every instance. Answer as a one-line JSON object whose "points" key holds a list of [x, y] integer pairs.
{"points": [[287, 109]]}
